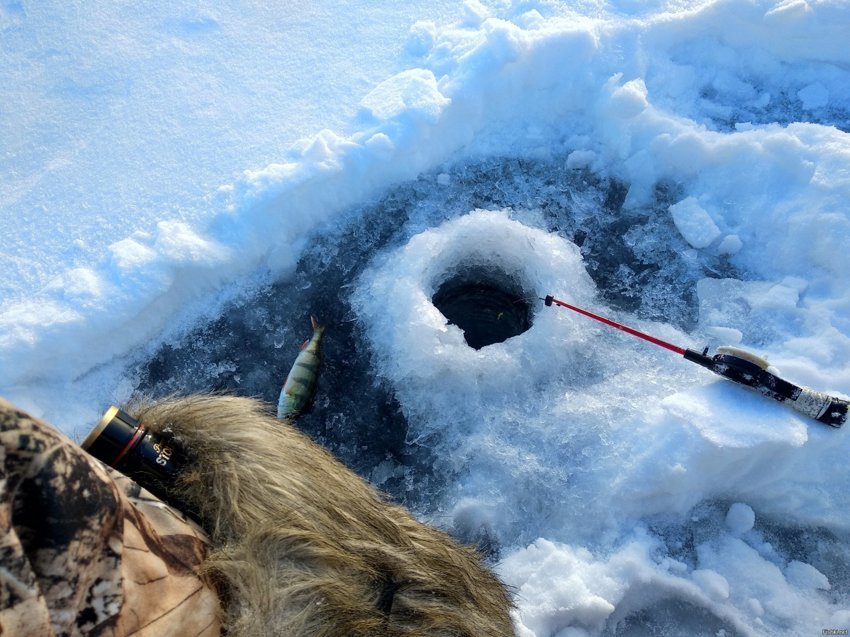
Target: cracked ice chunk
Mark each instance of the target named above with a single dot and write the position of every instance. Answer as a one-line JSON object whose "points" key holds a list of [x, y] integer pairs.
{"points": [[694, 223]]}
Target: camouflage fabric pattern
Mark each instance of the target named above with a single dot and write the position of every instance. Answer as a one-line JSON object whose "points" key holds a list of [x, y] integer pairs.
{"points": [[86, 551]]}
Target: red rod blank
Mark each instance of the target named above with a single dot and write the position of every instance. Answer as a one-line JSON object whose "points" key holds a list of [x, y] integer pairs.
{"points": [[620, 326]]}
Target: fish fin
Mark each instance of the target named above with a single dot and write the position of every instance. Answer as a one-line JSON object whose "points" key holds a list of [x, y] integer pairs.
{"points": [[304, 344]]}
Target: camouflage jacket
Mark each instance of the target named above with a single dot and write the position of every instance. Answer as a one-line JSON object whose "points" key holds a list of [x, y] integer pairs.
{"points": [[86, 551]]}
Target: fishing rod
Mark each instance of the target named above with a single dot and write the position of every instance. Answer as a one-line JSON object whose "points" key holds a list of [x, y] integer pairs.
{"points": [[742, 367]]}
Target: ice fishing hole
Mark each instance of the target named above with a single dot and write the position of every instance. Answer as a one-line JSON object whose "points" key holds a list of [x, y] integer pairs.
{"points": [[489, 306]]}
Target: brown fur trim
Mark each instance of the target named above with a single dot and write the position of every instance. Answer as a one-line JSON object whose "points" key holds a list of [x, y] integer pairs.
{"points": [[304, 547]]}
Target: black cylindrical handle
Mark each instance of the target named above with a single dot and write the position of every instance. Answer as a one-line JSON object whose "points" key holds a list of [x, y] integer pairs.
{"points": [[124, 443]]}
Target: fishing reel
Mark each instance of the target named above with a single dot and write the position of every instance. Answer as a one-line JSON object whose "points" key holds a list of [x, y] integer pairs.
{"points": [[748, 369]]}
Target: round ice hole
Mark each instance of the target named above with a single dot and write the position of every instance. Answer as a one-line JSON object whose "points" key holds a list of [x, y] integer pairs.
{"points": [[488, 308]]}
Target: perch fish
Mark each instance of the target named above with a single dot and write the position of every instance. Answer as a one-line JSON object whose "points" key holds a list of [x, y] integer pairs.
{"points": [[300, 383]]}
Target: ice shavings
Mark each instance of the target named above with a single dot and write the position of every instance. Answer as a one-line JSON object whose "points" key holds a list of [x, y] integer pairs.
{"points": [[741, 581], [580, 158], [780, 601], [578, 602], [179, 243], [757, 309], [726, 335], [410, 333], [731, 245], [628, 100], [421, 37]]}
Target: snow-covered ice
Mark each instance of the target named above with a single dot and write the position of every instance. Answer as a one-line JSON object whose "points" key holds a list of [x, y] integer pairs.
{"points": [[181, 188]]}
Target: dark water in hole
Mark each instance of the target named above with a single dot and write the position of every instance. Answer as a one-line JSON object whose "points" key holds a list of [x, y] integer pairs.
{"points": [[485, 312]]}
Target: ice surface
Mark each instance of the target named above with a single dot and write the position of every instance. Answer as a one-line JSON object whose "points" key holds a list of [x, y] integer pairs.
{"points": [[681, 167]]}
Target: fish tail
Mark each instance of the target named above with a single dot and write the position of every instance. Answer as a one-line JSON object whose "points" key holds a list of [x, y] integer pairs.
{"points": [[314, 322]]}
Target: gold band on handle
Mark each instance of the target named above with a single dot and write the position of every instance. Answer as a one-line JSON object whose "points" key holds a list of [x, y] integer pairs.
{"points": [[95, 433]]}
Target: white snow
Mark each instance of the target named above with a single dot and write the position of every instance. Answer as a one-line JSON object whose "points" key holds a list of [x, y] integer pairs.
{"points": [[712, 583], [157, 160], [804, 576], [740, 518]]}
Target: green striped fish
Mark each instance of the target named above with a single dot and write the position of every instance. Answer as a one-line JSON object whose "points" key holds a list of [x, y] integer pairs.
{"points": [[301, 381]]}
